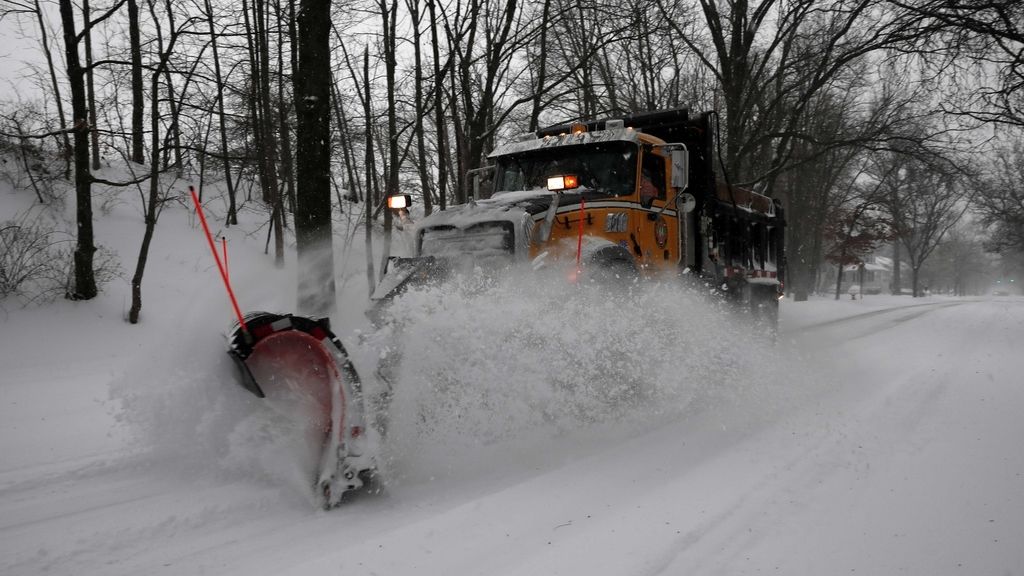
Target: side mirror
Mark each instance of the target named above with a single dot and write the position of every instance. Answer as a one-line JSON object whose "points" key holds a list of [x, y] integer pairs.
{"points": [[680, 168], [686, 203]]}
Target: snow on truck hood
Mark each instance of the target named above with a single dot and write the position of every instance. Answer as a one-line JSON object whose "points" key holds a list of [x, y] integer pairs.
{"points": [[517, 209], [511, 206], [503, 206]]}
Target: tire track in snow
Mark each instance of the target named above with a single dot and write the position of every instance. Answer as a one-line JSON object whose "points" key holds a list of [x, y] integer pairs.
{"points": [[825, 448], [899, 310]]}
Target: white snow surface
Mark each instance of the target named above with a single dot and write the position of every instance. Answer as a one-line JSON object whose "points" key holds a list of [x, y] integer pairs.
{"points": [[536, 428]]}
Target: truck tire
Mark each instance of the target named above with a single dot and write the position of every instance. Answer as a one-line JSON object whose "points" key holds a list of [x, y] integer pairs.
{"points": [[612, 264], [764, 309]]}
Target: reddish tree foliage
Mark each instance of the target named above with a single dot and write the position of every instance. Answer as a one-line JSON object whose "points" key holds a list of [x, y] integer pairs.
{"points": [[854, 233]]}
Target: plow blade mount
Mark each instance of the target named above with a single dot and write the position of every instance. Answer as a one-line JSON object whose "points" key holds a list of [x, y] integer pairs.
{"points": [[401, 273], [298, 361]]}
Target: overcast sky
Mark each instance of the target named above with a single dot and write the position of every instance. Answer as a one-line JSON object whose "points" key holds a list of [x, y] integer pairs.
{"points": [[15, 52]]}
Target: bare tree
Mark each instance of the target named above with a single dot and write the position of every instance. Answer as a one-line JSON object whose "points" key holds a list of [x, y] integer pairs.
{"points": [[154, 200], [816, 188], [370, 199], [1000, 200], [31, 155], [256, 17], [440, 127], [484, 41], [84, 280], [770, 61], [283, 101], [959, 265], [55, 86], [90, 87], [138, 88], [232, 215], [388, 10], [924, 201], [988, 37], [855, 230]]}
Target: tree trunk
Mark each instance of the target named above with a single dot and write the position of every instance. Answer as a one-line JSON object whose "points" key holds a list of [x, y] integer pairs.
{"points": [[174, 130], [84, 276], [138, 154], [232, 216], [66, 153], [390, 17], [151, 202], [90, 89], [268, 151], [442, 141], [897, 281], [370, 198], [316, 293], [351, 179], [252, 100], [421, 152], [839, 281], [287, 170], [262, 125], [460, 143], [542, 61]]}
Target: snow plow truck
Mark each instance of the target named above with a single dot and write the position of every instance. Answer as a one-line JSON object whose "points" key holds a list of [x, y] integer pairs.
{"points": [[629, 197]]}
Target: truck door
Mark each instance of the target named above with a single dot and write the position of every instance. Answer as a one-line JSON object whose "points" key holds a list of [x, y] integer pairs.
{"points": [[655, 226]]}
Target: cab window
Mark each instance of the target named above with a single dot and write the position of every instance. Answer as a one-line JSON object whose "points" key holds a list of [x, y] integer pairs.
{"points": [[652, 178]]}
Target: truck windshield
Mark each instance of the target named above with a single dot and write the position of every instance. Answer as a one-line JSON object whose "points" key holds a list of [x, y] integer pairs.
{"points": [[608, 167]]}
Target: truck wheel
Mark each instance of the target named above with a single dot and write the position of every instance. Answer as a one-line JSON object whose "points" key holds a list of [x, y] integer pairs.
{"points": [[612, 264], [764, 309]]}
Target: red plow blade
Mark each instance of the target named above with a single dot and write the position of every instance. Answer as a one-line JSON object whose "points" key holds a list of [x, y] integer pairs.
{"points": [[297, 361]]}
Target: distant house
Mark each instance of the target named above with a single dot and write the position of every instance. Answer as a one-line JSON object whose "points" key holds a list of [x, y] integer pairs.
{"points": [[877, 275]]}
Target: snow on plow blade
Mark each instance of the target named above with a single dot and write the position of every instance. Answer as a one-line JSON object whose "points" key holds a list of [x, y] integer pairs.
{"points": [[299, 361]]}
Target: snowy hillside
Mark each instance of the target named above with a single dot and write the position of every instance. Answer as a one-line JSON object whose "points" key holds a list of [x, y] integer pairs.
{"points": [[878, 436]]}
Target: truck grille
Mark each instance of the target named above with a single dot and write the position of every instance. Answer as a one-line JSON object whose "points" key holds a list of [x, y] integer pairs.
{"points": [[478, 243]]}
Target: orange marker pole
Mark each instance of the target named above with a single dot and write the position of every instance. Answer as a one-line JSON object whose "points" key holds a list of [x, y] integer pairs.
{"points": [[579, 239], [224, 247], [216, 257]]}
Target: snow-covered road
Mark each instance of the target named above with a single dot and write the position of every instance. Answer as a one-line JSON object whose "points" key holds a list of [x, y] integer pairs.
{"points": [[893, 448]]}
